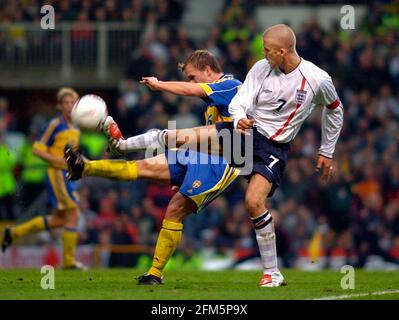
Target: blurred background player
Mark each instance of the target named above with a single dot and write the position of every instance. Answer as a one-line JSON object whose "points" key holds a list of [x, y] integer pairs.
{"points": [[63, 197], [200, 177]]}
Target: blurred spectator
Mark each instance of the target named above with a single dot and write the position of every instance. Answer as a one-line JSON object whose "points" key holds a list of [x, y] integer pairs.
{"points": [[83, 39], [130, 96], [107, 213], [156, 212], [17, 36], [8, 183], [237, 60], [6, 114], [140, 65], [88, 231], [186, 258], [184, 117], [93, 144], [124, 115], [120, 236], [146, 225], [33, 173]]}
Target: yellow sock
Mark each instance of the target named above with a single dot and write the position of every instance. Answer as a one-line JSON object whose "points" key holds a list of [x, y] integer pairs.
{"points": [[113, 169], [69, 241], [168, 240], [34, 225]]}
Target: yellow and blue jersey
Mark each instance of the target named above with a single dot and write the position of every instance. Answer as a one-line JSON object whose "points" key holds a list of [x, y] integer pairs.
{"points": [[203, 177], [55, 135], [219, 95], [53, 138]]}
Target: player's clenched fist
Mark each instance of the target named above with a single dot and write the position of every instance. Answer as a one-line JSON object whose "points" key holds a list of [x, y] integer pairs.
{"points": [[245, 124]]}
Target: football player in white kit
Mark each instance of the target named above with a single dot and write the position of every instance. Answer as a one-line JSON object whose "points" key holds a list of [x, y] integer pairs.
{"points": [[278, 94]]}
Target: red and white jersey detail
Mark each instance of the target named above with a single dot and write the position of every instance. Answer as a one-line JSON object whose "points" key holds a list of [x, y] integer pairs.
{"points": [[300, 93], [279, 103]]}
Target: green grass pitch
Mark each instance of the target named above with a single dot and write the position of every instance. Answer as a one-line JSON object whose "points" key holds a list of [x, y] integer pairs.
{"points": [[107, 284]]}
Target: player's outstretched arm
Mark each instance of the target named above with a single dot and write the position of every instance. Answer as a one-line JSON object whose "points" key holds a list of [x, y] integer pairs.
{"points": [[181, 88], [53, 160]]}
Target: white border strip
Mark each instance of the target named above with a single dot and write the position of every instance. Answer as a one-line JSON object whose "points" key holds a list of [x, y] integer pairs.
{"points": [[348, 296]]}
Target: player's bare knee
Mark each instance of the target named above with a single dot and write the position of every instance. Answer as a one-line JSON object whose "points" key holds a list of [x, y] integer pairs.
{"points": [[144, 169], [178, 208], [72, 216], [176, 212], [57, 220], [142, 165], [255, 204]]}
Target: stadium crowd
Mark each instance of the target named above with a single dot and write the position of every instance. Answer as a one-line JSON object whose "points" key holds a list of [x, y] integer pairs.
{"points": [[355, 216]]}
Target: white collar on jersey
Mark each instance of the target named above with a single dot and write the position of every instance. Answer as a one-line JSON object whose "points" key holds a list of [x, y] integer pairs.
{"points": [[287, 75]]}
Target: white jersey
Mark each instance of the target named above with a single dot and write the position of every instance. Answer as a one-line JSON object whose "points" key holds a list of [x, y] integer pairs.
{"points": [[279, 103]]}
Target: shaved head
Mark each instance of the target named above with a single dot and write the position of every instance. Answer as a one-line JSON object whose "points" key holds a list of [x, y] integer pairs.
{"points": [[280, 35], [279, 44]]}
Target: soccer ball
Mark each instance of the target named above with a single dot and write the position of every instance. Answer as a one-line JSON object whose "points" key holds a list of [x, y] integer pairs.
{"points": [[89, 112]]}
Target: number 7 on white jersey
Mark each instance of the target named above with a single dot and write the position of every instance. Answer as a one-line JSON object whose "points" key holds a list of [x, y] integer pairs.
{"points": [[274, 161]]}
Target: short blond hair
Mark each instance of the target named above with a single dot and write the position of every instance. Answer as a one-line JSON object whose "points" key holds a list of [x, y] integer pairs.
{"points": [[199, 59], [63, 92]]}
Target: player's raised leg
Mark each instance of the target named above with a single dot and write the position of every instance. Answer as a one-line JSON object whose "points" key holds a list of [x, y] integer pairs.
{"points": [[33, 225], [199, 138], [169, 237], [70, 240], [258, 189], [58, 218], [155, 169]]}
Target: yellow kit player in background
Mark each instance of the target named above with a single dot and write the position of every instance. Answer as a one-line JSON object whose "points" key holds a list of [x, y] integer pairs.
{"points": [[63, 197]]}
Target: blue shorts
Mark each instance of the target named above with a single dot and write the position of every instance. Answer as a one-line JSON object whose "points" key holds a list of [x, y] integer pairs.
{"points": [[62, 193], [268, 159], [200, 176]]}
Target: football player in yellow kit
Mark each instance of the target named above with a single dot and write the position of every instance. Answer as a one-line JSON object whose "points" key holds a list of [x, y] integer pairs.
{"points": [[63, 197], [200, 177]]}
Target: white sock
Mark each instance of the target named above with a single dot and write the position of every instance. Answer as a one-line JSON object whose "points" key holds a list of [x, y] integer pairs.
{"points": [[264, 229], [153, 139]]}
